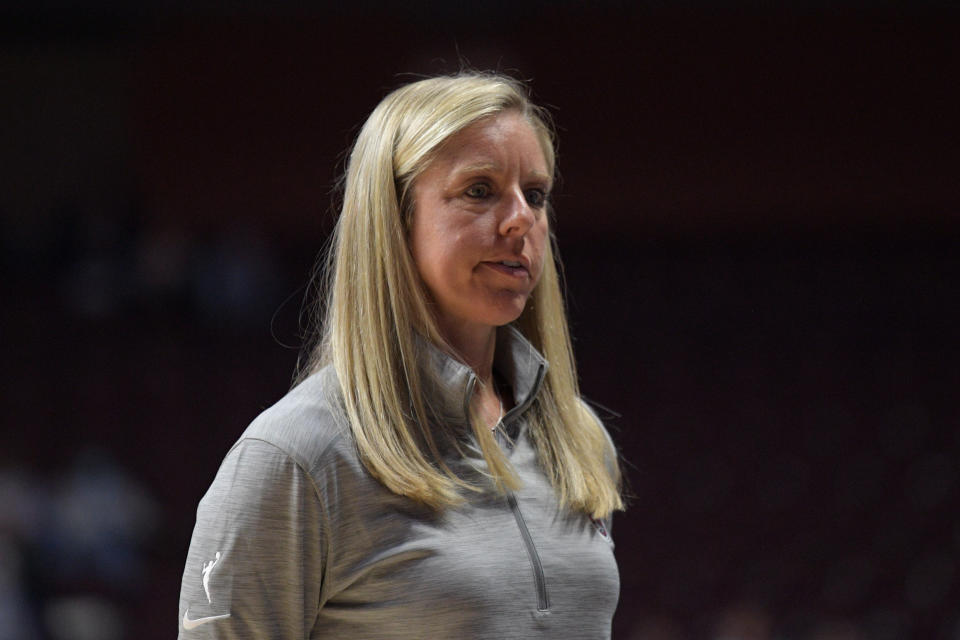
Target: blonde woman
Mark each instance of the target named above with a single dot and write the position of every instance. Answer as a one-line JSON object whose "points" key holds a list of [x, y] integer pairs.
{"points": [[434, 473]]}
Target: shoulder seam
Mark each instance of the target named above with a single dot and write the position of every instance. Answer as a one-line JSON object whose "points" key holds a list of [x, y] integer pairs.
{"points": [[297, 460]]}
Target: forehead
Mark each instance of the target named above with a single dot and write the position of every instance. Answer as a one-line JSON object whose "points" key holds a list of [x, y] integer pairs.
{"points": [[501, 141]]}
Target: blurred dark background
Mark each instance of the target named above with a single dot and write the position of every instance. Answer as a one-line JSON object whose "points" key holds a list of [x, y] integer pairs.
{"points": [[759, 222]]}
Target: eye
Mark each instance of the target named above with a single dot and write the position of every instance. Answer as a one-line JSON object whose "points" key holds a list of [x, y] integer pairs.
{"points": [[536, 197], [478, 191]]}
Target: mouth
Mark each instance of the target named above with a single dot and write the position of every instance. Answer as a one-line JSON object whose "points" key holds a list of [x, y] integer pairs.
{"points": [[512, 268]]}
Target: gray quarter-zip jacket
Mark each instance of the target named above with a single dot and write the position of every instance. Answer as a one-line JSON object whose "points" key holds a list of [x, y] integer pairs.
{"points": [[295, 539]]}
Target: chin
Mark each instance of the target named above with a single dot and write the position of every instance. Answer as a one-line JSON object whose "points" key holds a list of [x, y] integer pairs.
{"points": [[499, 311], [505, 316]]}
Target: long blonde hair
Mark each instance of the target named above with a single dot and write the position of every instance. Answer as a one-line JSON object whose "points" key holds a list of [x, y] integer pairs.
{"points": [[373, 307]]}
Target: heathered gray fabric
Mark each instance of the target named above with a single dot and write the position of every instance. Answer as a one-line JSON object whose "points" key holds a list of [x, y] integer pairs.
{"points": [[311, 546]]}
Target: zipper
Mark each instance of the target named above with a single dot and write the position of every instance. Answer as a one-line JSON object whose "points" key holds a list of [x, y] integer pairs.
{"points": [[543, 602]]}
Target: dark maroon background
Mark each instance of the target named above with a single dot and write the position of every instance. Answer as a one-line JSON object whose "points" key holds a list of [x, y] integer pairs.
{"points": [[758, 218]]}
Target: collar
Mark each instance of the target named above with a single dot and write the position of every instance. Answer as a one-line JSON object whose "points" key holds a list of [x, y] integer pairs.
{"points": [[450, 383]]}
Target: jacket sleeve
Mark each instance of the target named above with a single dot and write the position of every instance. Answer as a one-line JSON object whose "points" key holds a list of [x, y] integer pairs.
{"points": [[256, 560]]}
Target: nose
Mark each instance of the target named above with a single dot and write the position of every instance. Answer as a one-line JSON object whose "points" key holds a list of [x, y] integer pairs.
{"points": [[518, 216]]}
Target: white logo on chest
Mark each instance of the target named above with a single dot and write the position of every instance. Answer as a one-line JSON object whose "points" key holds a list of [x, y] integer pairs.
{"points": [[207, 568]]}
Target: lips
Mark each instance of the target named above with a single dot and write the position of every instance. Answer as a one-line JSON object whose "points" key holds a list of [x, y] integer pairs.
{"points": [[513, 268]]}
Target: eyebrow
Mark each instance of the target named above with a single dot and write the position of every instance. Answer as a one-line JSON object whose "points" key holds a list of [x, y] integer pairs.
{"points": [[490, 166], [480, 166]]}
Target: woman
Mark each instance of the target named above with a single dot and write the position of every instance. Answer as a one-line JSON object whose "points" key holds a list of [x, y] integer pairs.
{"points": [[429, 476]]}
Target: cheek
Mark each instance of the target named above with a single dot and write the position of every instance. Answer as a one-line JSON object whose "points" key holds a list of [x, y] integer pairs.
{"points": [[439, 263], [418, 247], [426, 240], [426, 257]]}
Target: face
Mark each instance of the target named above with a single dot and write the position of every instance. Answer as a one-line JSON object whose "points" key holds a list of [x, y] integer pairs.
{"points": [[479, 227]]}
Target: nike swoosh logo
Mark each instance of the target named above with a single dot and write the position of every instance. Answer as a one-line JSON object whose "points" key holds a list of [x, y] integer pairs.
{"points": [[189, 624]]}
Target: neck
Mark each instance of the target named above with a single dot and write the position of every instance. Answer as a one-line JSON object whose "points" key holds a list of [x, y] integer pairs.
{"points": [[475, 345]]}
